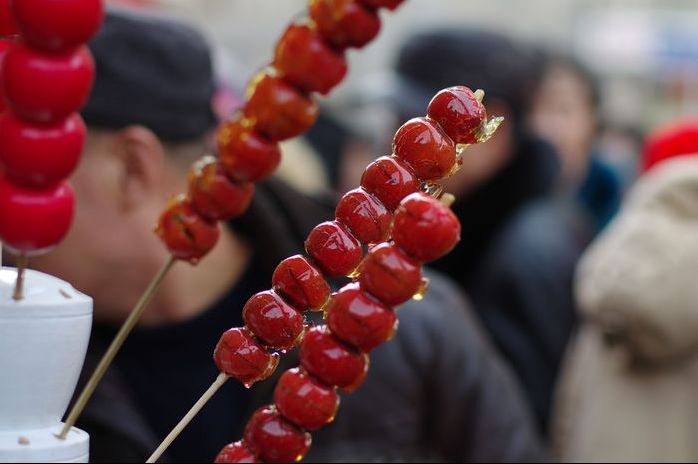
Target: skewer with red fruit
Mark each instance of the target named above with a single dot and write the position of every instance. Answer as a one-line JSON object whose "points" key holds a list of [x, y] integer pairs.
{"points": [[47, 74], [360, 316], [309, 58]]}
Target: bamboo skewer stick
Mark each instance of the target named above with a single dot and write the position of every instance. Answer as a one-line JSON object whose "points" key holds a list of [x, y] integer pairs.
{"points": [[22, 262], [116, 344], [172, 436]]}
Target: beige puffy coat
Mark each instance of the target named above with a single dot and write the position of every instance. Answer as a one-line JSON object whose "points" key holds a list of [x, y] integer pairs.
{"points": [[629, 389]]}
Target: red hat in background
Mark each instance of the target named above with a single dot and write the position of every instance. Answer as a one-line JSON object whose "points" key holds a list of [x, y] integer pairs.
{"points": [[677, 139]]}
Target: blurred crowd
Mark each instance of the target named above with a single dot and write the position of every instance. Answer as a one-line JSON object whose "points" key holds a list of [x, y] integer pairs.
{"points": [[560, 328]]}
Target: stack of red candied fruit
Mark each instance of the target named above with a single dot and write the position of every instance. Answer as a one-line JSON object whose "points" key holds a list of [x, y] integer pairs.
{"points": [[414, 228], [47, 74], [309, 58]]}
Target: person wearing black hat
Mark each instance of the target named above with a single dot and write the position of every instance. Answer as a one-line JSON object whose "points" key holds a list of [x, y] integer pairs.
{"points": [[520, 238], [437, 391]]}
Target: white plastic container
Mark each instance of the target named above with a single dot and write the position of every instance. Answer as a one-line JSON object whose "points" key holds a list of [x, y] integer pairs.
{"points": [[43, 341]]}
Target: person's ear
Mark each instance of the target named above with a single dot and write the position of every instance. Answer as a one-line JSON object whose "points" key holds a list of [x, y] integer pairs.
{"points": [[142, 158]]}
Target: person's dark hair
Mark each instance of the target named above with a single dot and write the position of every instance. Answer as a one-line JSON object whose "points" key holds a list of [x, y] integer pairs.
{"points": [[552, 60], [151, 71], [429, 61]]}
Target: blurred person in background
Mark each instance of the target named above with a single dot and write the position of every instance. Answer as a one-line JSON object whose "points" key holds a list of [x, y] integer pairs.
{"points": [[520, 242], [437, 392], [628, 392], [564, 112]]}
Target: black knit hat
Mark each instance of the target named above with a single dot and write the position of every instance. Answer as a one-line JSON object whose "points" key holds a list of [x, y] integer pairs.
{"points": [[151, 71]]}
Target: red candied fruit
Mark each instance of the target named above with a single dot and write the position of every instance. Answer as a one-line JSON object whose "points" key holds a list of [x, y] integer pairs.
{"points": [[273, 438], [300, 283], [389, 4], [58, 26], [459, 113], [304, 401], [45, 87], [426, 148], [214, 195], [334, 249], [365, 216], [331, 361], [277, 110], [7, 22], [425, 228], [240, 356], [34, 221], [273, 321], [389, 179], [4, 46], [236, 453], [344, 23], [245, 155], [307, 62], [360, 320], [186, 234], [389, 275], [40, 155]]}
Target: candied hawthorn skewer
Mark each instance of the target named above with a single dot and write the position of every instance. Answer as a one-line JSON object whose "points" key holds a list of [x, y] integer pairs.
{"points": [[335, 355], [46, 78], [309, 57], [359, 315]]}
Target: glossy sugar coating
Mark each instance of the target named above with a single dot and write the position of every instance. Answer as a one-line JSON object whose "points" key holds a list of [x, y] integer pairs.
{"points": [[214, 195], [364, 215], [331, 361], [306, 61], [40, 155], [274, 439], [236, 453], [390, 275], [276, 109], [186, 234], [459, 112], [344, 23], [360, 320], [34, 221], [273, 321], [426, 148], [45, 87], [245, 155], [390, 180], [240, 356], [334, 249], [304, 401], [58, 26], [425, 228], [300, 283]]}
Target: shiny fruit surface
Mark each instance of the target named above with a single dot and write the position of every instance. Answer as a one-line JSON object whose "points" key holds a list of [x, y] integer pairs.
{"points": [[240, 356], [185, 233], [40, 155], [34, 221], [306, 61], [461, 115], [45, 87], [334, 249], [304, 401], [425, 228], [274, 439], [58, 25], [214, 195]]}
